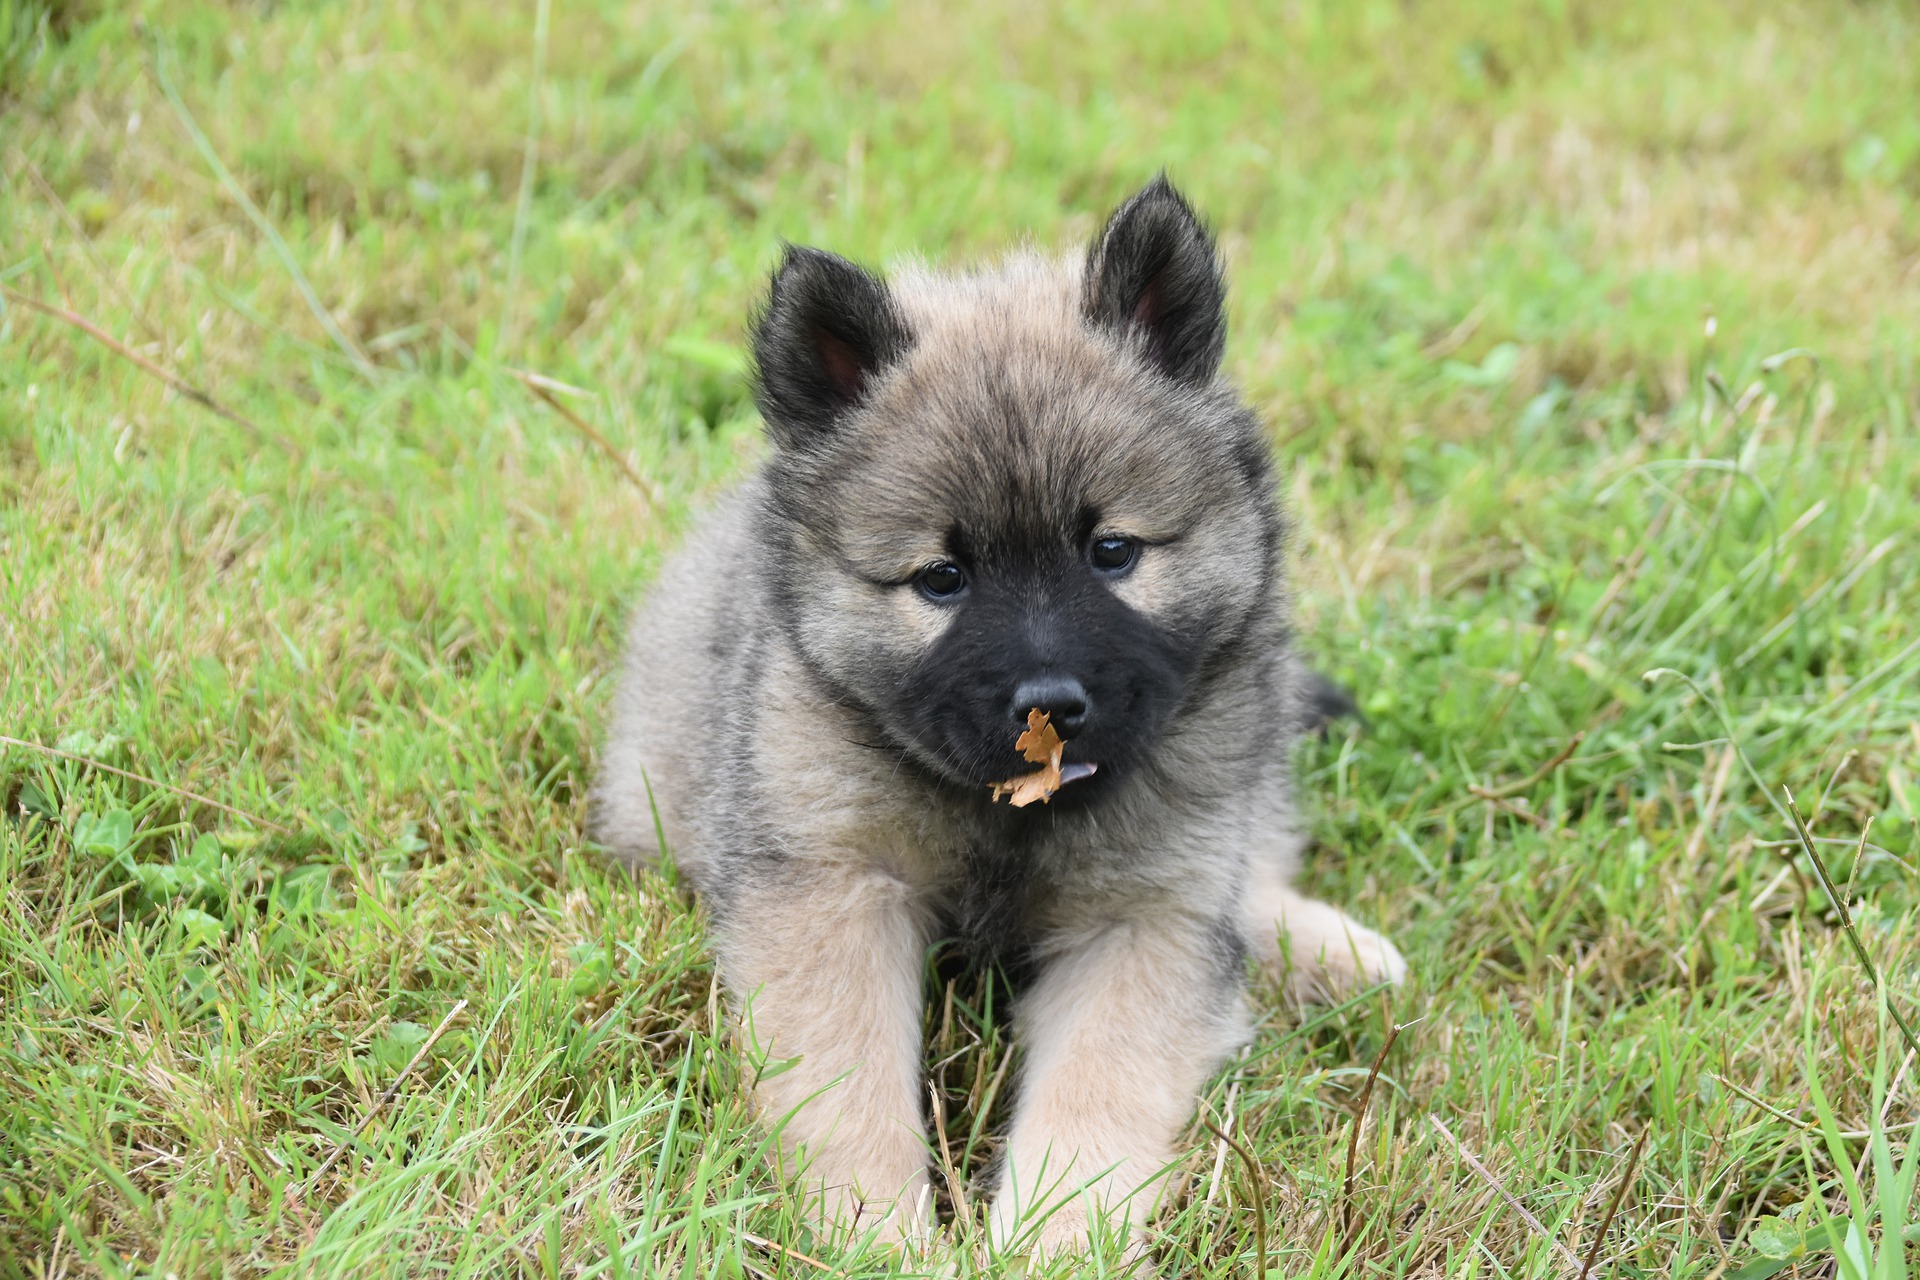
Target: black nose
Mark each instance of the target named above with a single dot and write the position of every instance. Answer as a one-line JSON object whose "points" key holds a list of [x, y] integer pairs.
{"points": [[1063, 698]]}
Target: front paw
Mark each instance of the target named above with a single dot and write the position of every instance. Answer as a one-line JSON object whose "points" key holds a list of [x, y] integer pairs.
{"points": [[1063, 1229], [905, 1222], [1332, 964], [1030, 1245]]}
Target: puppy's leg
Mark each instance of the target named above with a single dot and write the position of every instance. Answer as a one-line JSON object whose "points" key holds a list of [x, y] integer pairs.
{"points": [[826, 965], [1120, 1033], [1321, 952]]}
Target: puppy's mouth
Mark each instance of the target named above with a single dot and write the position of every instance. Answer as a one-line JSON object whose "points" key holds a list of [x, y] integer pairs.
{"points": [[1040, 744]]}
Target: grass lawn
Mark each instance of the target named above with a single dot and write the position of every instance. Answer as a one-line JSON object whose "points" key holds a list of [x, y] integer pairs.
{"points": [[1586, 332]]}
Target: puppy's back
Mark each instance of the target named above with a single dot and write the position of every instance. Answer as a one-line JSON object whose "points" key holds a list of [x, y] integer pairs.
{"points": [[680, 689]]}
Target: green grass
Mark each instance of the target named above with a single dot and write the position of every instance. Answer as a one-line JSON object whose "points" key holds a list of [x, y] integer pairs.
{"points": [[1506, 282]]}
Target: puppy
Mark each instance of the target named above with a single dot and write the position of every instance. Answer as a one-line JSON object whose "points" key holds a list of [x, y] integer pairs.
{"points": [[1020, 490]]}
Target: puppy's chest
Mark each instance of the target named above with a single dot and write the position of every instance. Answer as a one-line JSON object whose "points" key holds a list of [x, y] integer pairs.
{"points": [[994, 905], [1001, 899]]}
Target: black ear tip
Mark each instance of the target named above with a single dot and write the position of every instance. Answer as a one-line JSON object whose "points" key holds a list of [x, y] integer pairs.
{"points": [[1162, 188], [1160, 199], [790, 254], [800, 264], [1156, 214], [826, 328], [1152, 276]]}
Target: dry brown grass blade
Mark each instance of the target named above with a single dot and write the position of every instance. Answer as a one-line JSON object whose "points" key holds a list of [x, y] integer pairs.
{"points": [[984, 1107], [1839, 902], [1220, 1148], [85, 242], [1756, 1100], [1512, 1201], [1538, 822], [761, 1242], [1506, 790], [1619, 1194], [1805, 1126], [157, 64], [195, 796], [1456, 337], [391, 1092], [1261, 1193], [947, 1170], [544, 388], [127, 353], [1353, 1135]]}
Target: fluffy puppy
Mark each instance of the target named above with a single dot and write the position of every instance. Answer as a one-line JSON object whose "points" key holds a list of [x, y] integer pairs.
{"points": [[1023, 489]]}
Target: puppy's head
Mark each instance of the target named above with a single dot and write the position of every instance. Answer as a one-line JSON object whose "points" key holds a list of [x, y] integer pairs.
{"points": [[1016, 490]]}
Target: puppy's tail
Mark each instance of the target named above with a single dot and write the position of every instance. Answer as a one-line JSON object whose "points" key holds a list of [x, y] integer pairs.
{"points": [[1319, 702]]}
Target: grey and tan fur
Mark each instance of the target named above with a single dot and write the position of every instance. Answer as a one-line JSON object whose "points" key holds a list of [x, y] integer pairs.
{"points": [[817, 709]]}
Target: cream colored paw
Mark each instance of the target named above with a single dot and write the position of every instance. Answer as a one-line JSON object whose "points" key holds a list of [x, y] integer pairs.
{"points": [[1320, 952], [1062, 1231], [1341, 958], [1030, 1247], [906, 1221]]}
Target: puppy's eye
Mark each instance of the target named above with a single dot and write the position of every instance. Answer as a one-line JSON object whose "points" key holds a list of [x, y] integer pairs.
{"points": [[941, 580], [1112, 555]]}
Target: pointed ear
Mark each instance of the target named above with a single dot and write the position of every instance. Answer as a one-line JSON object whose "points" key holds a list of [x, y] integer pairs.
{"points": [[1153, 278], [827, 330]]}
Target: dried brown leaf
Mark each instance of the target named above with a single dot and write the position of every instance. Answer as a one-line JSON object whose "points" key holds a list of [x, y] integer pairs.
{"points": [[1040, 743]]}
